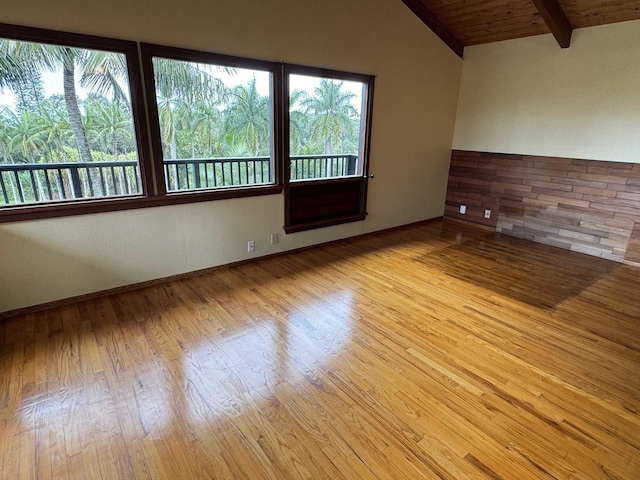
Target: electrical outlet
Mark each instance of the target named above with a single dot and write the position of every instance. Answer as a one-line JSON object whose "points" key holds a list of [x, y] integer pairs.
{"points": [[487, 214], [251, 246], [274, 238], [463, 209]]}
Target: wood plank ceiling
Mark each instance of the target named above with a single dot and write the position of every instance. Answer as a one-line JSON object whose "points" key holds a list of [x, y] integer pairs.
{"points": [[471, 22]]}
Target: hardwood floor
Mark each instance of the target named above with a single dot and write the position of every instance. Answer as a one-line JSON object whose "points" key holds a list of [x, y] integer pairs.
{"points": [[436, 351]]}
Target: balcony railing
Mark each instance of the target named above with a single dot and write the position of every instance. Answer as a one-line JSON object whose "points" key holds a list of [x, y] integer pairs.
{"points": [[44, 182], [195, 173], [322, 166]]}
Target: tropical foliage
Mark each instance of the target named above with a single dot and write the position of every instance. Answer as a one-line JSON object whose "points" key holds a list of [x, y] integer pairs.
{"points": [[328, 118], [205, 111], [46, 130]]}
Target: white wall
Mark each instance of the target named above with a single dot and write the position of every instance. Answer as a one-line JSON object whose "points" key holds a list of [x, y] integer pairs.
{"points": [[528, 96], [414, 114]]}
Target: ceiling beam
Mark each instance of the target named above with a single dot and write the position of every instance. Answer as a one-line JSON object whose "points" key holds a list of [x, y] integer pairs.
{"points": [[553, 15], [430, 20]]}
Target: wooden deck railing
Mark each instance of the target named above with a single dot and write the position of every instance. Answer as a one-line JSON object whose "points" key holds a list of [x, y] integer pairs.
{"points": [[45, 182]]}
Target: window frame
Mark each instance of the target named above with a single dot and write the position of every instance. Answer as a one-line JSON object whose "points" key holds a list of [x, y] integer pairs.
{"points": [[146, 124], [20, 212], [323, 186], [148, 52]]}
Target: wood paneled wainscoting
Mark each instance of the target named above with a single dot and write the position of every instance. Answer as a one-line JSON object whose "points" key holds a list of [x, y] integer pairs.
{"points": [[587, 206]]}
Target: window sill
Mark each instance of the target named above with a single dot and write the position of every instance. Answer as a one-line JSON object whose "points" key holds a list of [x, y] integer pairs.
{"points": [[301, 227], [21, 213], [324, 180]]}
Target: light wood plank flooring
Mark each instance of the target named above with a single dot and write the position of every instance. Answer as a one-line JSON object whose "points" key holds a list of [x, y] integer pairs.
{"points": [[435, 351]]}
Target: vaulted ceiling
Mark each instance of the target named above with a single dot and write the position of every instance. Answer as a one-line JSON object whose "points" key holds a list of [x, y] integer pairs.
{"points": [[471, 22]]}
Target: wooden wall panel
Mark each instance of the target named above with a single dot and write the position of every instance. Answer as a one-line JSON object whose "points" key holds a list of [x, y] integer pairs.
{"points": [[633, 248], [586, 206]]}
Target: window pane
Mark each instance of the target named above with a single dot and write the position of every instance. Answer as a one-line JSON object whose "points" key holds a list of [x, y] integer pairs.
{"points": [[215, 124], [66, 124], [325, 127]]}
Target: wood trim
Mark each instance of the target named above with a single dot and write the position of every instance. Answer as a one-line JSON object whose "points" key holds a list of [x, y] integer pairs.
{"points": [[130, 50], [296, 69], [142, 86], [436, 26], [555, 18], [301, 227], [21, 213], [149, 50], [57, 37], [153, 118], [366, 144], [278, 130], [141, 122], [202, 56], [323, 181], [470, 223], [159, 281], [286, 150]]}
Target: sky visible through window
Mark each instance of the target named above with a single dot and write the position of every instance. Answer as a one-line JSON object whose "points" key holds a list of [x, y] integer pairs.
{"points": [[52, 84], [308, 84]]}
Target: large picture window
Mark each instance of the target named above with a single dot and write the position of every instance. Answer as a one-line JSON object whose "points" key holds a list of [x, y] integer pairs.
{"points": [[76, 112], [212, 119], [67, 119]]}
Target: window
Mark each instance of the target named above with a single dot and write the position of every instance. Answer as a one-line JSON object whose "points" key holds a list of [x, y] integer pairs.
{"points": [[68, 119], [325, 126], [212, 119], [329, 128], [74, 129]]}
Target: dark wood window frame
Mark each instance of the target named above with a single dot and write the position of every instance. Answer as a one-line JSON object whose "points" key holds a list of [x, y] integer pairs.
{"points": [[151, 168], [21, 212], [148, 52], [139, 62], [323, 202]]}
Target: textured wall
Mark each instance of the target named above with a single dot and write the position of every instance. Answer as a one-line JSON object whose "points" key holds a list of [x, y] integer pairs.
{"points": [[528, 96], [586, 206]]}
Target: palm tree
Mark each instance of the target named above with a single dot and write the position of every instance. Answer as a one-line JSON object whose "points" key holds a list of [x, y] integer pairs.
{"points": [[36, 57], [52, 129], [6, 118], [104, 73], [180, 85], [13, 68], [247, 118], [98, 69], [108, 120], [24, 138], [298, 123], [332, 112], [207, 121], [25, 141], [69, 57]]}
